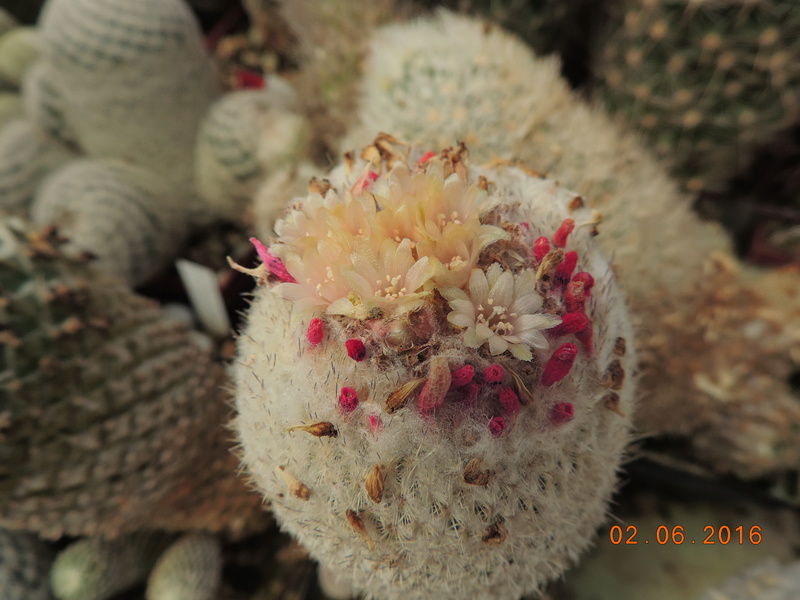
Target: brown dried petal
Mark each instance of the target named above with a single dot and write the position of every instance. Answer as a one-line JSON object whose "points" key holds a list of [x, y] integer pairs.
{"points": [[398, 398], [375, 482], [614, 376], [321, 429], [495, 535], [357, 523], [473, 475], [300, 490]]}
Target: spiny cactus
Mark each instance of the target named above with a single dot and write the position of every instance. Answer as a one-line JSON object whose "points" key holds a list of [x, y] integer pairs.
{"points": [[706, 81], [767, 581], [190, 569], [97, 569], [44, 104], [245, 135], [19, 49], [112, 413], [431, 398], [24, 564], [135, 80], [26, 156], [438, 81], [120, 213]]}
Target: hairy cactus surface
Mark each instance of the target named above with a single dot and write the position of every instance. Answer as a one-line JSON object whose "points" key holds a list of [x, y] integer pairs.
{"points": [[24, 564], [706, 81], [10, 107], [44, 103], [122, 214], [435, 81], [111, 412], [19, 49], [97, 569], [190, 569], [436, 382]]}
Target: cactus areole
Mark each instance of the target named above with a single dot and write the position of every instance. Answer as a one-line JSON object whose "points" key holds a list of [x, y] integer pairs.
{"points": [[449, 476]]}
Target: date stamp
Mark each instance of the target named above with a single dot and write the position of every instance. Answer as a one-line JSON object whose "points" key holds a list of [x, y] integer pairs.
{"points": [[712, 535]]}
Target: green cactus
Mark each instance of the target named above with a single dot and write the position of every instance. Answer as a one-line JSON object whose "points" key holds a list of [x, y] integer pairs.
{"points": [[96, 569], [19, 49], [24, 563], [191, 569], [109, 408], [706, 81]]}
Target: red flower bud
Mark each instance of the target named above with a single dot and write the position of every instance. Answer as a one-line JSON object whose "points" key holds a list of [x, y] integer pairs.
{"points": [[571, 322], [497, 426], [509, 400], [567, 266], [561, 235], [463, 376], [348, 399], [561, 413], [355, 349], [588, 281], [494, 374], [559, 364], [575, 297], [540, 248], [316, 331]]}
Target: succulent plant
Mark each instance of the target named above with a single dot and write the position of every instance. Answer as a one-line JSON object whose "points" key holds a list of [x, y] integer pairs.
{"points": [[108, 407], [767, 581], [434, 82], [24, 563], [7, 21], [10, 107], [19, 49], [706, 81], [190, 569], [122, 214], [44, 104], [135, 80], [432, 388], [97, 569], [246, 135]]}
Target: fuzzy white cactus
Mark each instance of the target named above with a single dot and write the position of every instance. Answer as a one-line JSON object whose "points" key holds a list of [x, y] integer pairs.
{"points": [[122, 214], [246, 135], [135, 78], [19, 49], [436, 81], [767, 581], [422, 398], [10, 107], [190, 569], [43, 102]]}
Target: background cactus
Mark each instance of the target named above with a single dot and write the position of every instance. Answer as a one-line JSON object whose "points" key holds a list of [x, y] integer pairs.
{"points": [[767, 581], [190, 569], [465, 493], [432, 82], [10, 107], [24, 564], [120, 213], [109, 406], [705, 81], [97, 569], [19, 49]]}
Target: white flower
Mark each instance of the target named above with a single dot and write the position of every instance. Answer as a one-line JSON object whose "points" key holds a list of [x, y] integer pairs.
{"points": [[500, 309]]}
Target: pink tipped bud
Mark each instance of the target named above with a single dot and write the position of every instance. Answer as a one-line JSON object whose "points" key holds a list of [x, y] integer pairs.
{"points": [[562, 233], [561, 413], [509, 400], [463, 376], [559, 364], [588, 281], [575, 297], [570, 323], [525, 225], [585, 337], [355, 349], [567, 266], [497, 426], [375, 424], [469, 393], [273, 263], [348, 399], [540, 248], [316, 331], [494, 374], [433, 392], [363, 182], [426, 157]]}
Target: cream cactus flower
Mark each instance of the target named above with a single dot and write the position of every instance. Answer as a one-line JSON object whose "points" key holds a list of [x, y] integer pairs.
{"points": [[500, 310]]}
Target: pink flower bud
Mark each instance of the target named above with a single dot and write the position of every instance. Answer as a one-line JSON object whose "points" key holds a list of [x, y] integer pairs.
{"points": [[559, 364], [575, 297], [375, 424], [494, 374], [588, 281], [463, 376], [570, 323], [509, 400], [316, 331], [348, 399], [567, 266], [426, 157], [561, 235], [355, 349], [561, 413], [497, 426], [540, 248], [273, 263]]}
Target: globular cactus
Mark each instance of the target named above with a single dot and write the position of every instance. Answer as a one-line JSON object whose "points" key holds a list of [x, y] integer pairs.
{"points": [[7, 21], [97, 569], [135, 79], [10, 108], [706, 81], [767, 581], [435, 385], [24, 565], [113, 414], [190, 569], [19, 49], [436, 81], [43, 102], [122, 214], [27, 155], [246, 135]]}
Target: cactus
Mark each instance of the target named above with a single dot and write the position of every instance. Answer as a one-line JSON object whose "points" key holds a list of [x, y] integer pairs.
{"points": [[44, 105], [120, 213], [110, 407], [191, 569], [19, 49], [436, 81], [135, 80], [767, 581], [10, 108], [245, 135], [705, 81], [7, 21], [97, 569], [26, 156], [447, 422], [24, 563]]}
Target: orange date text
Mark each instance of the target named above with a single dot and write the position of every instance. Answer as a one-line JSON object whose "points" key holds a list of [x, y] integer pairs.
{"points": [[712, 535]]}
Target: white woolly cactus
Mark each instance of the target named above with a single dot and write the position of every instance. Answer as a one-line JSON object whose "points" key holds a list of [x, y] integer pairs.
{"points": [[435, 385], [19, 49], [190, 569], [120, 213]]}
